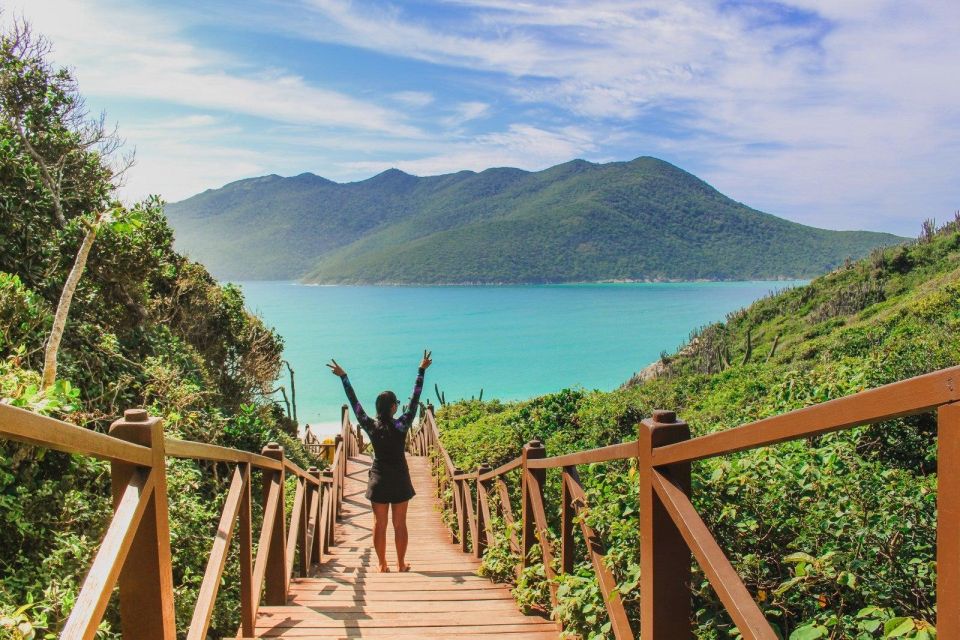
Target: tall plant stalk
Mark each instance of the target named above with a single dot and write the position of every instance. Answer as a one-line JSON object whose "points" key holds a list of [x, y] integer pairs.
{"points": [[52, 348]]}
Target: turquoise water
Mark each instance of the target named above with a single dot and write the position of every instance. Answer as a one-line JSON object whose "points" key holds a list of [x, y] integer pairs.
{"points": [[513, 342]]}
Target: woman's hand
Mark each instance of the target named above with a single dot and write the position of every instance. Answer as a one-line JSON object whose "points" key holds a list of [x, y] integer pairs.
{"points": [[336, 368], [427, 359]]}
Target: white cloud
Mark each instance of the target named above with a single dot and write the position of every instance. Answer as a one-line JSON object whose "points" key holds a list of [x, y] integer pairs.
{"points": [[133, 53], [413, 98], [521, 145], [848, 113], [464, 112], [844, 117]]}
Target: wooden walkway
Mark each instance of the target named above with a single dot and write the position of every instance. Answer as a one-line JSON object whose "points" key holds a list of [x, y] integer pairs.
{"points": [[441, 597]]}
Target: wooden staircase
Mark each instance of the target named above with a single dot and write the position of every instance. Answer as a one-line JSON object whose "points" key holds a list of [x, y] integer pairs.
{"points": [[441, 597], [312, 572]]}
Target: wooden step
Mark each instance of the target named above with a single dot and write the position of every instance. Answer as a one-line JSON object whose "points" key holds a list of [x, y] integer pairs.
{"points": [[441, 597]]}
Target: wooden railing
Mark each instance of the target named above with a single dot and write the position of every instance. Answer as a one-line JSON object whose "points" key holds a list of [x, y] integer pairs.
{"points": [[135, 553], [313, 445], [671, 530]]}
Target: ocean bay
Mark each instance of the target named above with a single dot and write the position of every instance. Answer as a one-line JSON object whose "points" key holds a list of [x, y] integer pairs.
{"points": [[513, 342]]}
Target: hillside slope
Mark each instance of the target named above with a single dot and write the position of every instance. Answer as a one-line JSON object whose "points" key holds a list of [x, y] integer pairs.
{"points": [[640, 220], [834, 536]]}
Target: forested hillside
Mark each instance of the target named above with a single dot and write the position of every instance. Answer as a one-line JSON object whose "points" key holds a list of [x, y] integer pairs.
{"points": [[639, 220], [146, 328], [834, 536]]}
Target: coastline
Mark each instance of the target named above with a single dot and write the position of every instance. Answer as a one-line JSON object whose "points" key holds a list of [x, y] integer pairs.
{"points": [[563, 283]]}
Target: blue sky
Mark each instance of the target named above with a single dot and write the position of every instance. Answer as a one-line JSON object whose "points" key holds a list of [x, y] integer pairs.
{"points": [[837, 113]]}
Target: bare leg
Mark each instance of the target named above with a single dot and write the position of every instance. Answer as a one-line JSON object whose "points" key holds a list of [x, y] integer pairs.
{"points": [[400, 533], [381, 511]]}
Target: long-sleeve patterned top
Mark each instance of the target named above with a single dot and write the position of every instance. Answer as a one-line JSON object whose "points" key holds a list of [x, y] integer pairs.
{"points": [[402, 423]]}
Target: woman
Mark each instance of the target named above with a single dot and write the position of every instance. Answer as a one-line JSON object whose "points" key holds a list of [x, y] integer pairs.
{"points": [[389, 487]]}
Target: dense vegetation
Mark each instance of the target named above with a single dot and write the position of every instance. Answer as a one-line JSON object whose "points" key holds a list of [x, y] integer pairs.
{"points": [[833, 536], [147, 328], [639, 220]]}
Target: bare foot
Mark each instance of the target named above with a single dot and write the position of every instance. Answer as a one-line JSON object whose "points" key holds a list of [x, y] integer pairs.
{"points": [[384, 569], [403, 568]]}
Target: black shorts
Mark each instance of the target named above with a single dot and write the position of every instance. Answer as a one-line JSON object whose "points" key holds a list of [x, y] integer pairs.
{"points": [[389, 483]]}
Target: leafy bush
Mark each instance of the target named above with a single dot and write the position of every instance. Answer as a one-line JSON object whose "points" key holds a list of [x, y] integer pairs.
{"points": [[834, 536], [147, 328]]}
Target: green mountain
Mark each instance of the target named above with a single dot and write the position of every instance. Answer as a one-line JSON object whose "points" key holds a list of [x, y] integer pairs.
{"points": [[640, 220]]}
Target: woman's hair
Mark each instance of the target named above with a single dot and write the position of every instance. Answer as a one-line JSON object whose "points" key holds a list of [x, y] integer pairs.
{"points": [[385, 402]]}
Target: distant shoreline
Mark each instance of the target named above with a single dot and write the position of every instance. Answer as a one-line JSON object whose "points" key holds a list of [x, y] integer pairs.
{"points": [[518, 284]]}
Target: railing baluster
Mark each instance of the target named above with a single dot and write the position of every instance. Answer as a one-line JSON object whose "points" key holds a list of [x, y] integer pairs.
{"points": [[506, 511], [484, 524], [665, 600], [302, 539], [328, 509], [146, 580], [948, 521], [340, 467], [458, 500], [294, 530], [566, 522], [276, 570], [247, 605], [107, 564], [218, 557], [271, 506], [723, 577], [595, 548], [468, 511], [314, 544]]}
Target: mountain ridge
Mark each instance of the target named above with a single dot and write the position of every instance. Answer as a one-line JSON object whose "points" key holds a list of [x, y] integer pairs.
{"points": [[638, 220]]}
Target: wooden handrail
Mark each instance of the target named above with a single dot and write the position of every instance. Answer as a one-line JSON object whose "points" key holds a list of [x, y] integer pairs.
{"points": [[203, 451], [896, 400], [31, 428], [502, 469], [135, 552], [603, 454], [671, 530], [292, 467]]}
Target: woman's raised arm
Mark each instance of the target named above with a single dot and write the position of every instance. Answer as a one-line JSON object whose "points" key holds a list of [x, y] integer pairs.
{"points": [[365, 421], [417, 389]]}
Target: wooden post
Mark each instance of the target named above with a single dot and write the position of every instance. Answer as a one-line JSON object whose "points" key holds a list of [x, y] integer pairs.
{"points": [[344, 410], [480, 541], [566, 523], [458, 500], [276, 576], [247, 605], [338, 497], [146, 579], [948, 521], [532, 450], [429, 432], [304, 542], [665, 598], [328, 538], [316, 548], [468, 512]]}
